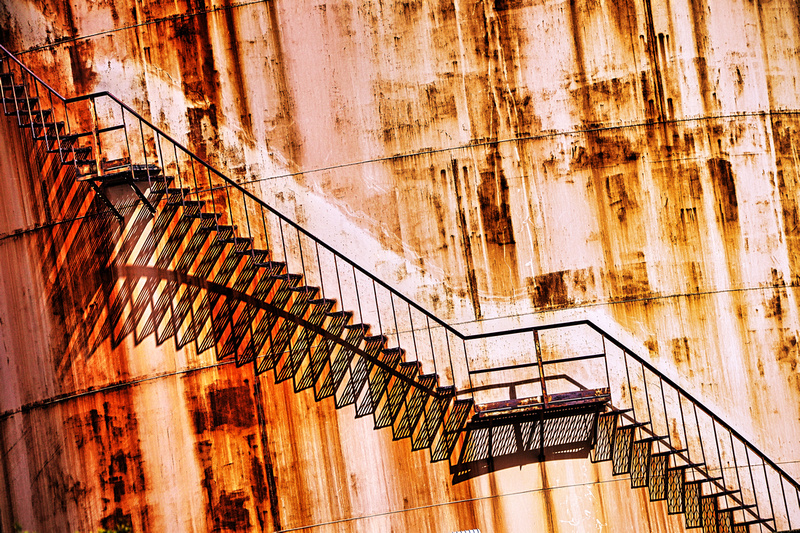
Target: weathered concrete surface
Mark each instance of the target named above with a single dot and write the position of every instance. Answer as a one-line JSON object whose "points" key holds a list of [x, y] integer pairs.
{"points": [[478, 190]]}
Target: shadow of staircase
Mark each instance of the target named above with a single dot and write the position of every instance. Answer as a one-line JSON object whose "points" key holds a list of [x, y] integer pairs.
{"points": [[168, 247]]}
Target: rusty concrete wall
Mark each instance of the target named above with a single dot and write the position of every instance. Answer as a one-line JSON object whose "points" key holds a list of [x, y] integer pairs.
{"points": [[514, 161]]}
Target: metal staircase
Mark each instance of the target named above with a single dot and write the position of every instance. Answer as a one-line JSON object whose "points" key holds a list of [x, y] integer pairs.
{"points": [[197, 259]]}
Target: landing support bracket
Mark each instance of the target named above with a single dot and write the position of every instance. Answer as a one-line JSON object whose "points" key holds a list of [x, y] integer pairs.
{"points": [[108, 203]]}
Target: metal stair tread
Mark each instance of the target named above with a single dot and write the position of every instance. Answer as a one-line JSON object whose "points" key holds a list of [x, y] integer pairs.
{"points": [[633, 425], [128, 174], [737, 508], [653, 438]]}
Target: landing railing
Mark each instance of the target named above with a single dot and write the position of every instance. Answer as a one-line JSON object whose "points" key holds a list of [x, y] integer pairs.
{"points": [[703, 444], [488, 367]]}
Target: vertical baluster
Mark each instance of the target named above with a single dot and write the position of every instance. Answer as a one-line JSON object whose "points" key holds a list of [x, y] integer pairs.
{"points": [[127, 141], [306, 281], [752, 479], [769, 490], [283, 243], [699, 435], [785, 504], [358, 298], [247, 222], [447, 340], [666, 414], [192, 161], [268, 248], [430, 336], [162, 161], [217, 215], [605, 362], [27, 104], [66, 117], [647, 400], [96, 137], [450, 358], [3, 88], [466, 360], [685, 433], [55, 120], [719, 454], [30, 80], [338, 281], [136, 190], [396, 328], [321, 278], [797, 495], [144, 154], [178, 173], [628, 376], [736, 467], [414, 336], [377, 307], [230, 207]]}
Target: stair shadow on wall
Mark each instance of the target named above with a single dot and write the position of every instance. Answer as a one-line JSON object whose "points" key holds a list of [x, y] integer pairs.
{"points": [[94, 297]]}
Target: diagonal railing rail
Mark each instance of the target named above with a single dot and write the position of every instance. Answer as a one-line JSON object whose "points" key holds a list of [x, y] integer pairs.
{"points": [[102, 139]]}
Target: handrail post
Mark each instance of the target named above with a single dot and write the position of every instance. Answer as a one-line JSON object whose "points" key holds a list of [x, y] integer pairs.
{"points": [[466, 360], [96, 137], [538, 348], [605, 362]]}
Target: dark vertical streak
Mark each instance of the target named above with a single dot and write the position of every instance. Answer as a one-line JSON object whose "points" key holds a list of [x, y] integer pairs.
{"points": [[272, 489], [8, 491], [238, 70], [472, 282], [655, 66], [293, 145], [765, 50], [700, 34]]}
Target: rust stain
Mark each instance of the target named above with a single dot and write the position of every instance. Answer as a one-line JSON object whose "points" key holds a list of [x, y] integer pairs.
{"points": [[701, 44], [271, 488], [232, 407], [293, 143], [550, 504], [494, 202], [231, 513], [109, 434], [658, 108], [787, 181], [727, 214], [681, 352], [438, 204], [724, 190], [549, 290], [513, 102], [199, 82], [583, 96], [652, 345], [603, 150], [472, 282], [630, 279], [228, 408], [79, 54], [237, 69]]}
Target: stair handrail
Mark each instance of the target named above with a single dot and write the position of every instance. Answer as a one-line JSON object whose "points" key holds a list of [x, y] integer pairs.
{"points": [[429, 315], [31, 73], [693, 400]]}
